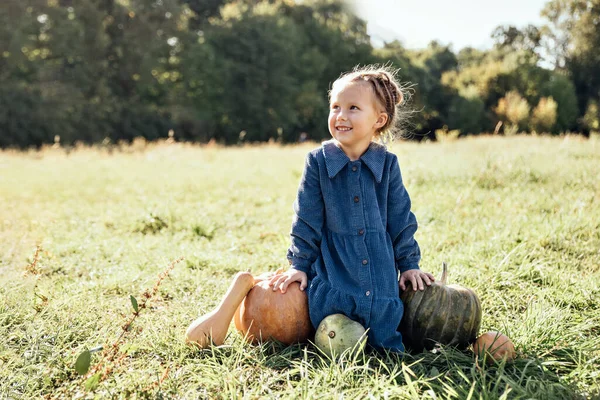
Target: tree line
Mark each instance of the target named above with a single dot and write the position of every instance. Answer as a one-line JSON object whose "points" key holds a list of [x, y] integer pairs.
{"points": [[248, 71]]}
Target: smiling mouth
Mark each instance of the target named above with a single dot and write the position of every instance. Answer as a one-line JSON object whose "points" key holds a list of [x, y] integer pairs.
{"points": [[343, 128]]}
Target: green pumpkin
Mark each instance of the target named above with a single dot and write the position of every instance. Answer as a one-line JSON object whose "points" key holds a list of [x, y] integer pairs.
{"points": [[338, 333], [445, 314]]}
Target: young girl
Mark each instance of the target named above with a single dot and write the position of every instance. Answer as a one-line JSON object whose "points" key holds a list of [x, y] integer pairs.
{"points": [[353, 230]]}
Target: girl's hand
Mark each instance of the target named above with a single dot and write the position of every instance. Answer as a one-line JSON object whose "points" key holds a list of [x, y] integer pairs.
{"points": [[282, 281], [416, 277]]}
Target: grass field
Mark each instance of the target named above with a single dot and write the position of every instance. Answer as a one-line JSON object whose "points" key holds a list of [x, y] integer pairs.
{"points": [[517, 219]]}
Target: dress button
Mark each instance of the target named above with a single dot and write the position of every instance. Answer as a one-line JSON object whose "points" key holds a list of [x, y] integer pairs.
{"points": [[365, 261], [361, 231], [356, 199], [354, 168], [368, 293]]}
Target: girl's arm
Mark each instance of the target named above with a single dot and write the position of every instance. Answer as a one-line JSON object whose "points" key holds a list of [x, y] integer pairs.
{"points": [[401, 223], [308, 219], [402, 226]]}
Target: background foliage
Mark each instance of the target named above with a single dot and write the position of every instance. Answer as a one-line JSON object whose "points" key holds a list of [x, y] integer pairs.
{"points": [[241, 70]]}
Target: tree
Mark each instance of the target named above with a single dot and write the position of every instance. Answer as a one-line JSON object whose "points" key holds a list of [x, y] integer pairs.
{"points": [[336, 41], [512, 38], [244, 70], [574, 34], [203, 10], [514, 111], [262, 70], [562, 90], [396, 55], [431, 64], [543, 117], [467, 112], [251, 59], [591, 118], [98, 67]]}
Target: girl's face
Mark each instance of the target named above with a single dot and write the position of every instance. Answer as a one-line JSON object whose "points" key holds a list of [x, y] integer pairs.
{"points": [[354, 117]]}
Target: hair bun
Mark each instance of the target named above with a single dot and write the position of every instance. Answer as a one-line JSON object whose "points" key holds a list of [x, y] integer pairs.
{"points": [[392, 87]]}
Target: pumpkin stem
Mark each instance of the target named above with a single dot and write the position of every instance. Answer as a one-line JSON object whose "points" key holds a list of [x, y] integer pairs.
{"points": [[332, 334], [444, 272]]}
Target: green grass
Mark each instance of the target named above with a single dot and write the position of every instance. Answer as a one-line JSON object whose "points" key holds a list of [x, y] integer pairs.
{"points": [[517, 219]]}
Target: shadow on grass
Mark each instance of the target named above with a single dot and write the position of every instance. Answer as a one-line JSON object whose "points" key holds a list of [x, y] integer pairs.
{"points": [[442, 372]]}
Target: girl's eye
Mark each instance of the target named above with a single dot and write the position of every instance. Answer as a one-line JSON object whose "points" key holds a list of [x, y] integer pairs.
{"points": [[335, 107], [353, 107]]}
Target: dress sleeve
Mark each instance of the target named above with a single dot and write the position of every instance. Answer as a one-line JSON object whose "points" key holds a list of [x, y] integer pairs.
{"points": [[308, 219], [402, 223]]}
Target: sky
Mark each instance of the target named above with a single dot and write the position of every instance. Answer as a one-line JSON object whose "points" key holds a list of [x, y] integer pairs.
{"points": [[461, 23]]}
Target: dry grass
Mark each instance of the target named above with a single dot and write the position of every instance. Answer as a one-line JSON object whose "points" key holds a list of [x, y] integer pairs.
{"points": [[517, 219]]}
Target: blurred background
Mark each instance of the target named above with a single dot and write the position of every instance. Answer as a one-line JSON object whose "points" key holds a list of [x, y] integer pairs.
{"points": [[236, 71]]}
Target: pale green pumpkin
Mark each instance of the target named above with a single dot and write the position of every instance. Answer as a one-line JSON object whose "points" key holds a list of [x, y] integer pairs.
{"points": [[337, 333]]}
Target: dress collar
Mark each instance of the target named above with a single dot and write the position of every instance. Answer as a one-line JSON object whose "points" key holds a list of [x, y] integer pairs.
{"points": [[336, 159]]}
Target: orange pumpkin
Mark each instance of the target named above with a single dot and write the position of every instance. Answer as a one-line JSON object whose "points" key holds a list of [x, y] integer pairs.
{"points": [[266, 314], [494, 346]]}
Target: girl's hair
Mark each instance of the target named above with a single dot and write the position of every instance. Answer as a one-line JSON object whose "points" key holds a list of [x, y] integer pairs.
{"points": [[388, 92]]}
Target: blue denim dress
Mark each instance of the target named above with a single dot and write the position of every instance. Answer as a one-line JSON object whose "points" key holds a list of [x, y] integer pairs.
{"points": [[352, 233]]}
